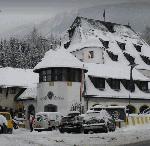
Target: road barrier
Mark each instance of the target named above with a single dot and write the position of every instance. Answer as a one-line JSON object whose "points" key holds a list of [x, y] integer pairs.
{"points": [[135, 119]]}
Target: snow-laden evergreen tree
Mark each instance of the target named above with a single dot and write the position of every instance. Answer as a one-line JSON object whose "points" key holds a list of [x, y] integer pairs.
{"points": [[26, 53]]}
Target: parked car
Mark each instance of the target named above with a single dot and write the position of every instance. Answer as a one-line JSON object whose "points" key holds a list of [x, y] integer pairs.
{"points": [[146, 111], [98, 121], [46, 121], [9, 121], [73, 122], [3, 124]]}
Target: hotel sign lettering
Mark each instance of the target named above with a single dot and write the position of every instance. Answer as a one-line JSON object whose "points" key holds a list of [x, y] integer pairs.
{"points": [[50, 95]]}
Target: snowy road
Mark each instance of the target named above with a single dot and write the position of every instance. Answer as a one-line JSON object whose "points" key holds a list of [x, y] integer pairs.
{"points": [[23, 137]]}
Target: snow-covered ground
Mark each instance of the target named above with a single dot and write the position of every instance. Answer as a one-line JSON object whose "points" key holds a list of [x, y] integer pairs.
{"points": [[23, 137]]}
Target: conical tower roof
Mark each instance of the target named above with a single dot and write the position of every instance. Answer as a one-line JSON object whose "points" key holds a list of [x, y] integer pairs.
{"points": [[58, 58]]}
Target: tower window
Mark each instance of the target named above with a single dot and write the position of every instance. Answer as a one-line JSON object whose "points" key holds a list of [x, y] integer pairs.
{"points": [[60, 74], [91, 54]]}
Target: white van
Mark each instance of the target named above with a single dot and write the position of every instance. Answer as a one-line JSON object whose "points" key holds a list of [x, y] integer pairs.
{"points": [[46, 121]]}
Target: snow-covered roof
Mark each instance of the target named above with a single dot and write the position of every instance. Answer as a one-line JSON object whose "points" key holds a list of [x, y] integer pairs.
{"points": [[10, 77], [90, 42], [110, 93], [91, 31], [58, 58], [113, 70]]}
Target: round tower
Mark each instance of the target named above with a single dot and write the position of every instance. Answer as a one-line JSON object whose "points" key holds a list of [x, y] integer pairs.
{"points": [[60, 82]]}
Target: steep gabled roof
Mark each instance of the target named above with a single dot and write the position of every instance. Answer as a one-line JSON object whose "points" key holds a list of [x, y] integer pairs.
{"points": [[121, 39]]}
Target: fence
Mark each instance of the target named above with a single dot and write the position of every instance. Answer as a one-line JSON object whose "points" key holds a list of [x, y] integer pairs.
{"points": [[135, 119]]}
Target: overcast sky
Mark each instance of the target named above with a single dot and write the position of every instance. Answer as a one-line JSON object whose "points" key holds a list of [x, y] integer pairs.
{"points": [[18, 12]]}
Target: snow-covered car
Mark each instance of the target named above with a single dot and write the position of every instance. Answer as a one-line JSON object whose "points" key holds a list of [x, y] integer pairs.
{"points": [[3, 124], [46, 121], [98, 121], [73, 122]]}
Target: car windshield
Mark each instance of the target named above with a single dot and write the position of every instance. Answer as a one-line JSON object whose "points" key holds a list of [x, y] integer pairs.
{"points": [[41, 117], [73, 114]]}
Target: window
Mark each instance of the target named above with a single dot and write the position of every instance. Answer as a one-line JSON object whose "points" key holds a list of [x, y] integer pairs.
{"points": [[69, 83], [42, 76], [121, 45], [105, 43], [114, 83], [91, 54], [60, 74], [12, 90], [1, 90], [112, 56], [127, 85], [99, 83], [142, 85], [129, 58], [145, 59], [137, 47]]}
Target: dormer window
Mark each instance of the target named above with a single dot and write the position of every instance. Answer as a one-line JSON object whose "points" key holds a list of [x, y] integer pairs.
{"points": [[98, 83], [105, 43], [121, 45], [145, 59], [91, 54], [112, 56], [114, 84], [127, 84], [137, 47], [129, 58], [142, 85]]}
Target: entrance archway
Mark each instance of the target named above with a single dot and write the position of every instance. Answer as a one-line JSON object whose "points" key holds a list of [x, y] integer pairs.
{"points": [[50, 108], [131, 109], [143, 107]]}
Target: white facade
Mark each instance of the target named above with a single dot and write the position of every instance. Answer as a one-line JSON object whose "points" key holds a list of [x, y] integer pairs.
{"points": [[56, 91], [85, 56], [65, 95]]}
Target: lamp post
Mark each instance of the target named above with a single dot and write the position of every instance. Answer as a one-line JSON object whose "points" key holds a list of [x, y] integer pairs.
{"points": [[132, 66]]}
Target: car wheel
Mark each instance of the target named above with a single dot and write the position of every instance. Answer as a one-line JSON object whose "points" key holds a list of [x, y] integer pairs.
{"points": [[106, 130], [81, 130], [86, 131], [11, 131], [90, 132], [61, 130]]}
